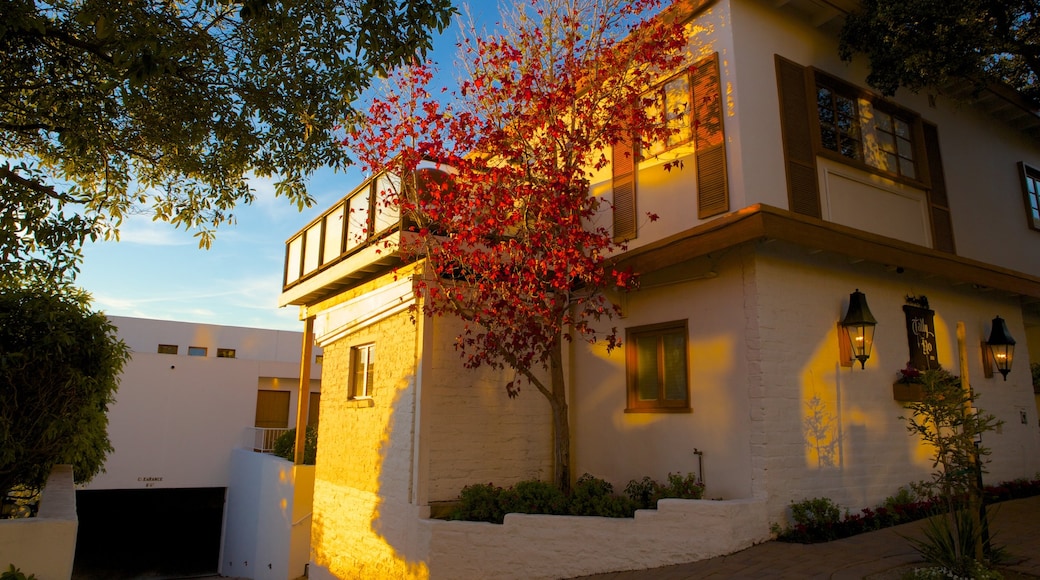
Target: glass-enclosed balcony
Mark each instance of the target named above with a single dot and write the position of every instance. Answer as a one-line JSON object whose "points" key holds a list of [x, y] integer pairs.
{"points": [[358, 236]]}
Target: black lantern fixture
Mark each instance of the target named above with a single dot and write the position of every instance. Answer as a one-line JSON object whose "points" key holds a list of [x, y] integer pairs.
{"points": [[859, 326], [1001, 346]]}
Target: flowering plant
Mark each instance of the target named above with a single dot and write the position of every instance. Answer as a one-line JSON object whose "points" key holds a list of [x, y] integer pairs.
{"points": [[909, 374]]}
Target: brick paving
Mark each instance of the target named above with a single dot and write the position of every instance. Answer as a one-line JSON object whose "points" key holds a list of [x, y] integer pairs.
{"points": [[1014, 525]]}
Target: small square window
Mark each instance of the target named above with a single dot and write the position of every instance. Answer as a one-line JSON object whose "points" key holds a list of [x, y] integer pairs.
{"points": [[319, 359], [196, 351], [225, 353], [167, 349], [363, 362], [656, 364]]}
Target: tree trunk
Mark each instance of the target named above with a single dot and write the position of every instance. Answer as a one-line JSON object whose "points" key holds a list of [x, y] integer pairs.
{"points": [[561, 426]]}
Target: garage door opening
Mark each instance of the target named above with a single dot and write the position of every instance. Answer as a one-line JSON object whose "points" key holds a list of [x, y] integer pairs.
{"points": [[153, 533]]}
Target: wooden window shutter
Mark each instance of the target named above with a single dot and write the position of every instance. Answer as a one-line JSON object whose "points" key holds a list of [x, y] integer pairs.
{"points": [[803, 194], [623, 165], [938, 202], [709, 139]]}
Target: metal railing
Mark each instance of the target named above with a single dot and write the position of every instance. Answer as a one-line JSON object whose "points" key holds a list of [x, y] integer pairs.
{"points": [[262, 438]]}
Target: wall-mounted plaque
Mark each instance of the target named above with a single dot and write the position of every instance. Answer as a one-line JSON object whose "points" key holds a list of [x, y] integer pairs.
{"points": [[920, 336]]}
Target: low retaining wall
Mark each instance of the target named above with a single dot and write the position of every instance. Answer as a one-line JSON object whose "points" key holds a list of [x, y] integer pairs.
{"points": [[45, 545], [541, 546]]}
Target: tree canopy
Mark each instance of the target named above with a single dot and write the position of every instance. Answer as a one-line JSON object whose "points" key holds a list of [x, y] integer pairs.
{"points": [[514, 243], [59, 368], [168, 107], [929, 43]]}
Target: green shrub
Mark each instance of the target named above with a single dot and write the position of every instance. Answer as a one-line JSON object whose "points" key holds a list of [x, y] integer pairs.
{"points": [[949, 542], [285, 445], [480, 503], [13, 573], [644, 493], [592, 496], [533, 497], [816, 512]]}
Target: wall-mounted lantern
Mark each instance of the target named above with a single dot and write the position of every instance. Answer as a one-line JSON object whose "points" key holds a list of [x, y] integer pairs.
{"points": [[859, 326], [1000, 348]]}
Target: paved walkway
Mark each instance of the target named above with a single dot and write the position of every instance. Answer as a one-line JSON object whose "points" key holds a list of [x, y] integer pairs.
{"points": [[1013, 524]]}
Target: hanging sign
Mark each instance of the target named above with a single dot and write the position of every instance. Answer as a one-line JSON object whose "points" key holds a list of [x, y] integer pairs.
{"points": [[920, 336]]}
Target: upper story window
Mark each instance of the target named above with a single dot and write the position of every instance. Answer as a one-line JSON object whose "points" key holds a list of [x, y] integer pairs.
{"points": [[656, 365], [167, 349], [225, 353], [363, 362], [1031, 190], [857, 127], [197, 351], [674, 101]]}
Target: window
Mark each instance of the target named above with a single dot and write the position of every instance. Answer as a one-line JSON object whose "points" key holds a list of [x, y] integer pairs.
{"points": [[272, 409], [1031, 189], [691, 103], [319, 359], [225, 353], [167, 349], [674, 102], [656, 361], [857, 128], [825, 117], [363, 365], [197, 351]]}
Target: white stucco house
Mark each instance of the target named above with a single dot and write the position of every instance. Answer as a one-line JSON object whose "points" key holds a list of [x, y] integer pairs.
{"points": [[190, 395], [809, 188]]}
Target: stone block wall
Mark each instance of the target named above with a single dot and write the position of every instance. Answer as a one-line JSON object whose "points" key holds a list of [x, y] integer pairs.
{"points": [[364, 472]]}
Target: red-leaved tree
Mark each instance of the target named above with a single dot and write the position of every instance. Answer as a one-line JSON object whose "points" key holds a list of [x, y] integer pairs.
{"points": [[514, 243]]}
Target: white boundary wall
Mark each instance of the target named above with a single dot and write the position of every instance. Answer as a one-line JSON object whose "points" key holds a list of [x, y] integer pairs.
{"points": [[268, 517], [541, 546]]}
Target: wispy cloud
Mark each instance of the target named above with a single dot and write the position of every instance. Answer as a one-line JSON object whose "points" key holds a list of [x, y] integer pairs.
{"points": [[142, 230]]}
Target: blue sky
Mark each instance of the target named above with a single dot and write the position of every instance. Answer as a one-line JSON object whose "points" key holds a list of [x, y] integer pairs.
{"points": [[157, 271]]}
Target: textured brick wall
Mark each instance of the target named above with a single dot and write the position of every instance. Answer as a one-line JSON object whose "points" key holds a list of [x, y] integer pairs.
{"points": [[477, 433], [822, 430], [364, 465]]}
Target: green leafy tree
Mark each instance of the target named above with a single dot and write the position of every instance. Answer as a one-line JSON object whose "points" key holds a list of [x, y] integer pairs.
{"points": [[59, 368], [109, 107], [929, 43]]}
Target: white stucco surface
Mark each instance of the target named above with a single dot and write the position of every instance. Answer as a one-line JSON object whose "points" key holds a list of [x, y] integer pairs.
{"points": [[176, 418]]}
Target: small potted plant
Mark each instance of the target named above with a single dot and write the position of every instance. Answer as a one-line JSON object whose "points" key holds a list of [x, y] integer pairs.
{"points": [[908, 387]]}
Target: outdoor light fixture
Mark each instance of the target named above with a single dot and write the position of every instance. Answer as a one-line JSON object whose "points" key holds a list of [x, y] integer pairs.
{"points": [[1001, 347], [859, 326]]}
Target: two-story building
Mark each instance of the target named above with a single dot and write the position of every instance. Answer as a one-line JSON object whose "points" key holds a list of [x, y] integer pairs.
{"points": [[807, 188]]}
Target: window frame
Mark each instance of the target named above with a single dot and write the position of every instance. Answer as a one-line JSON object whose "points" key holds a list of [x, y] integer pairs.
{"points": [[1029, 173], [362, 354], [226, 353], [167, 349], [198, 351], [686, 132], [819, 79], [659, 405]]}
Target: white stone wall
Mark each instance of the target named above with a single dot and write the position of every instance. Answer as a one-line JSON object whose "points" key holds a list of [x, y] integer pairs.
{"points": [[824, 430], [528, 547], [620, 446], [476, 433], [363, 526]]}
